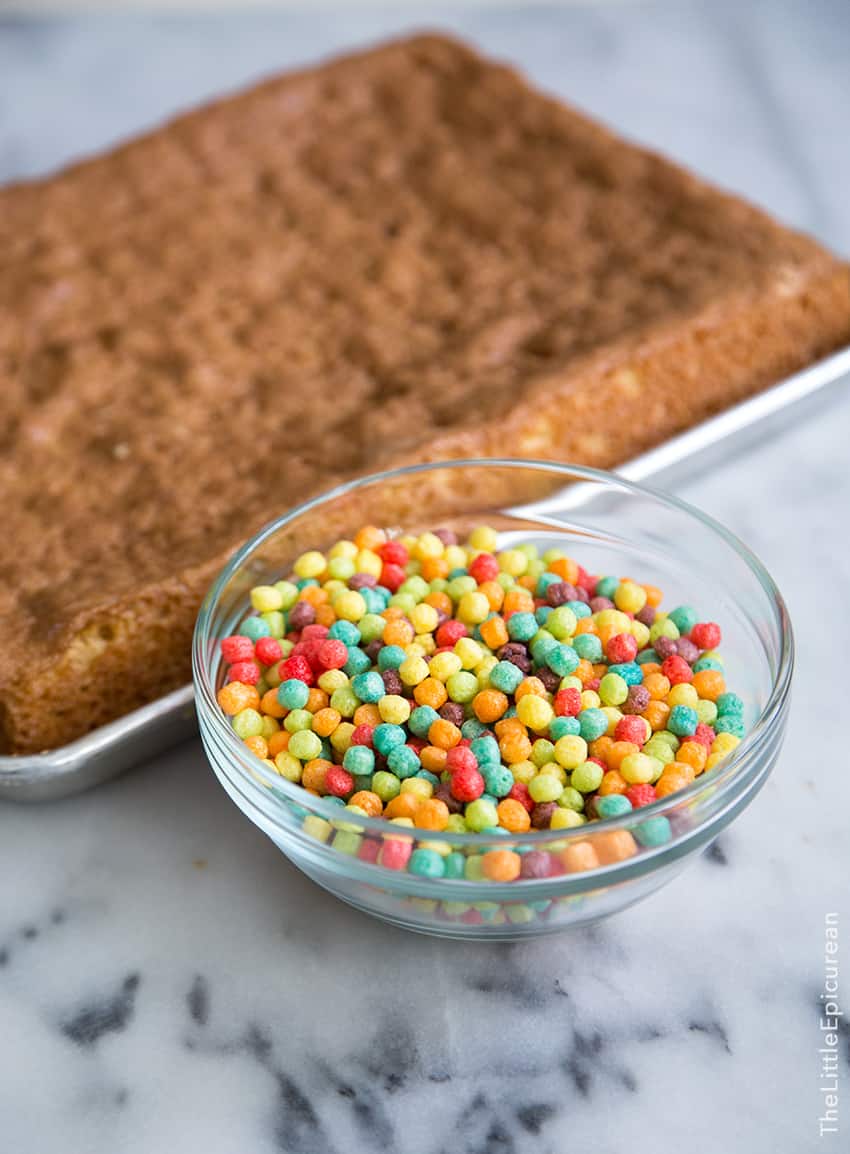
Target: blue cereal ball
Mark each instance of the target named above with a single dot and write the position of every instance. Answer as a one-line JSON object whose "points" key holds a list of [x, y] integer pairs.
{"points": [[505, 676], [544, 581], [473, 728], [614, 805], [358, 662], [730, 705], [403, 761], [563, 660], [421, 720], [390, 657], [359, 760], [498, 780], [580, 609], [708, 663], [647, 655], [683, 720], [486, 750], [565, 727], [684, 618], [522, 626], [652, 832], [255, 628], [369, 687], [607, 587], [630, 672], [427, 863], [387, 737], [588, 647], [592, 723], [346, 632], [542, 646], [728, 723], [293, 694], [453, 864], [542, 613]]}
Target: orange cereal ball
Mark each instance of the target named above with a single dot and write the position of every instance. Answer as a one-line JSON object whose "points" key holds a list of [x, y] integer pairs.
{"points": [[433, 759], [367, 714], [369, 802], [620, 750], [655, 684], [444, 734], [515, 747], [693, 753], [513, 815], [614, 845], [431, 692], [314, 773], [656, 713], [709, 684], [370, 537], [403, 805], [431, 813], [278, 742], [398, 631], [235, 696], [578, 857], [612, 782], [270, 705], [489, 705], [530, 685], [494, 633], [258, 746], [325, 721], [316, 699], [501, 865]]}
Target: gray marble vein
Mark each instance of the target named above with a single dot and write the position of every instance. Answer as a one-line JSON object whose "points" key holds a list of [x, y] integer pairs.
{"points": [[169, 982]]}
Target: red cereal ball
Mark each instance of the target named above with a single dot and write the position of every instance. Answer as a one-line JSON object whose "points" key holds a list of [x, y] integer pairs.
{"points": [[338, 781], [567, 702], [704, 734], [519, 792], [395, 853], [484, 567], [314, 632], [640, 795], [392, 576], [332, 654], [461, 757], [621, 648], [268, 650], [706, 635], [362, 735], [676, 670], [466, 784], [631, 728], [248, 672], [369, 849], [449, 633], [394, 553], [296, 666], [237, 648]]}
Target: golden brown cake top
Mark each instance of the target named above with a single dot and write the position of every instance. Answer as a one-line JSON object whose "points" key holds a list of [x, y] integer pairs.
{"points": [[306, 280]]}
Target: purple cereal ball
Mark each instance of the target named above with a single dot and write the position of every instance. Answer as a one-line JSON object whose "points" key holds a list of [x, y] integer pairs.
{"points": [[517, 654], [452, 712], [444, 793], [646, 616], [362, 581], [302, 613], [597, 604], [551, 681], [447, 536], [686, 649], [637, 700], [541, 815], [392, 682], [665, 647], [537, 863], [560, 593], [582, 594], [373, 649]]}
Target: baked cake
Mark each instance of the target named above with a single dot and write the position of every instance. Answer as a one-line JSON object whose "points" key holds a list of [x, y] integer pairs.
{"points": [[405, 254]]}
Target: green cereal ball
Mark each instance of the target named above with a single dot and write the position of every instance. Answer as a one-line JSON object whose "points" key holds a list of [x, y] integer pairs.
{"points": [[542, 645], [341, 568], [545, 787], [481, 814], [683, 721], [404, 601], [346, 632], [276, 623], [706, 712], [663, 627], [542, 751], [421, 720], [255, 628], [571, 799], [390, 657], [708, 663], [661, 752], [665, 737], [613, 689], [506, 580], [345, 701], [473, 870], [297, 720], [592, 724], [486, 750], [288, 593], [457, 586], [586, 777], [561, 623], [344, 840], [588, 647], [505, 676], [684, 618], [607, 587], [462, 687], [358, 662], [247, 723], [453, 864], [293, 694], [385, 784], [654, 831], [563, 660], [456, 823], [647, 655], [369, 687], [305, 745]]}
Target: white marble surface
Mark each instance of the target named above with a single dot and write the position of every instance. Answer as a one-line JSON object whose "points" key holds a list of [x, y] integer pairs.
{"points": [[169, 983]]}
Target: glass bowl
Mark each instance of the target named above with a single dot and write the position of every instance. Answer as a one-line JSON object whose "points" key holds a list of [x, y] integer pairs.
{"points": [[609, 526]]}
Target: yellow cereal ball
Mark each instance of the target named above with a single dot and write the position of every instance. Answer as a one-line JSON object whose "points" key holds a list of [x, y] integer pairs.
{"points": [[513, 561], [340, 739], [629, 597], [682, 694], [311, 564], [288, 766], [469, 651], [614, 715], [426, 642], [570, 751], [394, 709], [566, 819], [639, 768], [724, 743], [266, 599], [590, 699], [331, 680], [524, 771], [483, 539], [317, 827], [368, 562], [413, 670], [428, 545], [455, 557], [473, 608], [424, 618], [535, 712], [349, 606], [640, 632], [444, 665], [421, 786], [345, 549]]}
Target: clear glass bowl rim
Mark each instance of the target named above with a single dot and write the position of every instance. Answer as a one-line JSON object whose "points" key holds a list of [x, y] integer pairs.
{"points": [[730, 777]]}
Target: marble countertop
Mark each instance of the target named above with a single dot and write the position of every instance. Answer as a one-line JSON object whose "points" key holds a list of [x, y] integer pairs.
{"points": [[169, 983]]}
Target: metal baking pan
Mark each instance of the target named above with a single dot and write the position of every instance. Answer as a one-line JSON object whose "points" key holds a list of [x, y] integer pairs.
{"points": [[146, 732]]}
